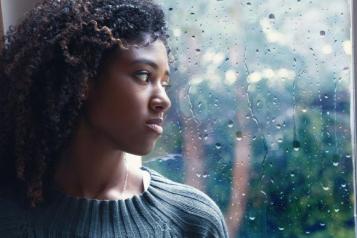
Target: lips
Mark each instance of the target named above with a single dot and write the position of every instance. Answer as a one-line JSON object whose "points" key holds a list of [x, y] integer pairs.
{"points": [[156, 121], [155, 125]]}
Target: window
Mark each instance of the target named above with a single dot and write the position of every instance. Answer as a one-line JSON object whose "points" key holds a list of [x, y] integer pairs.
{"points": [[260, 116]]}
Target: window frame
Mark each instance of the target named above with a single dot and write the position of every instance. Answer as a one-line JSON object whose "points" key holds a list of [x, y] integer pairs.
{"points": [[354, 102], [1, 28]]}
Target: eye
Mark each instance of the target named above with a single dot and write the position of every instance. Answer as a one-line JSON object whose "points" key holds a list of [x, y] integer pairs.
{"points": [[142, 75], [167, 86]]}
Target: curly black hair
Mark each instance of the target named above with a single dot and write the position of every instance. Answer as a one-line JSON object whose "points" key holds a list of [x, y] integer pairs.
{"points": [[45, 65]]}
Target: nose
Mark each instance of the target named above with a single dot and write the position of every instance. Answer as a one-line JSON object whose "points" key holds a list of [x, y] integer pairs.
{"points": [[160, 102]]}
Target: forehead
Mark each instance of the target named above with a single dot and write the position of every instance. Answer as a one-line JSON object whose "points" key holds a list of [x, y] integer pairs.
{"points": [[155, 52]]}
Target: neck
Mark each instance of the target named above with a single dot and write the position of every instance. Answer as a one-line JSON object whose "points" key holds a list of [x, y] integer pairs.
{"points": [[91, 167]]}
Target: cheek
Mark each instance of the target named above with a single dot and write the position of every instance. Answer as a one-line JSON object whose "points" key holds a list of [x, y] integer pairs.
{"points": [[116, 108]]}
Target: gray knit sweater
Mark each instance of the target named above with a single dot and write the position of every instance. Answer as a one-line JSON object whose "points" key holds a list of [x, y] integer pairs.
{"points": [[165, 209]]}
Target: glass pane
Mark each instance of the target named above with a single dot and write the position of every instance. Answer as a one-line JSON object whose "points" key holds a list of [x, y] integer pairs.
{"points": [[260, 113]]}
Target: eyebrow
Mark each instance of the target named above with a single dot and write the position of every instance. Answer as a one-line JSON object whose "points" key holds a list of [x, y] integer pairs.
{"points": [[151, 63]]}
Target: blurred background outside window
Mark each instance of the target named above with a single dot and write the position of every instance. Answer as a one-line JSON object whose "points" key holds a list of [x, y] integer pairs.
{"points": [[261, 113]]}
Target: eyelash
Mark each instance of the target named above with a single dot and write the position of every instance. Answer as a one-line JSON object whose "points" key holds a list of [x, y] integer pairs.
{"points": [[138, 74]]}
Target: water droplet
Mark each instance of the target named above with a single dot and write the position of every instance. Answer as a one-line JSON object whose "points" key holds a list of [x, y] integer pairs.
{"points": [[343, 185], [326, 188], [238, 135], [249, 3], [251, 218], [218, 146], [292, 175], [322, 33], [336, 210], [281, 228], [230, 123], [198, 50], [296, 145], [271, 16], [280, 140], [198, 175], [348, 156], [205, 136], [335, 164], [322, 224], [304, 110], [205, 175], [259, 104], [278, 126], [170, 9]]}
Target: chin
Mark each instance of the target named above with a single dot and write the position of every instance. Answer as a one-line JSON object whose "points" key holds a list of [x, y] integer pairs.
{"points": [[141, 151]]}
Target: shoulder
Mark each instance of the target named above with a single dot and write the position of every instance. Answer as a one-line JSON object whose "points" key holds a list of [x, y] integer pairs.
{"points": [[195, 208]]}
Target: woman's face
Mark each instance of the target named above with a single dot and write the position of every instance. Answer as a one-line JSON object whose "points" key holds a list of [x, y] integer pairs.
{"points": [[131, 92]]}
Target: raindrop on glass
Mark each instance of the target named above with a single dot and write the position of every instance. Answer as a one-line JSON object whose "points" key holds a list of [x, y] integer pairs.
{"points": [[296, 145], [238, 135], [205, 175], [230, 123], [271, 16], [259, 104], [218, 146], [199, 104], [326, 188]]}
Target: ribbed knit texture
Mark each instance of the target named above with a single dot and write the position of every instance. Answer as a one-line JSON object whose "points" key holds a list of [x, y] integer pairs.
{"points": [[166, 209]]}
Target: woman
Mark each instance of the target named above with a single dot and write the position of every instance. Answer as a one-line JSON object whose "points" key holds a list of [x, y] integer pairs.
{"points": [[83, 83]]}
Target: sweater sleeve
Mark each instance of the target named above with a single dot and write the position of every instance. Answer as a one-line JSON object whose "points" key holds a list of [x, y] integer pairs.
{"points": [[218, 226], [204, 215], [192, 212]]}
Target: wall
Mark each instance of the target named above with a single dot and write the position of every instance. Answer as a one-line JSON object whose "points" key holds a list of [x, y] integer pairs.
{"points": [[13, 11]]}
